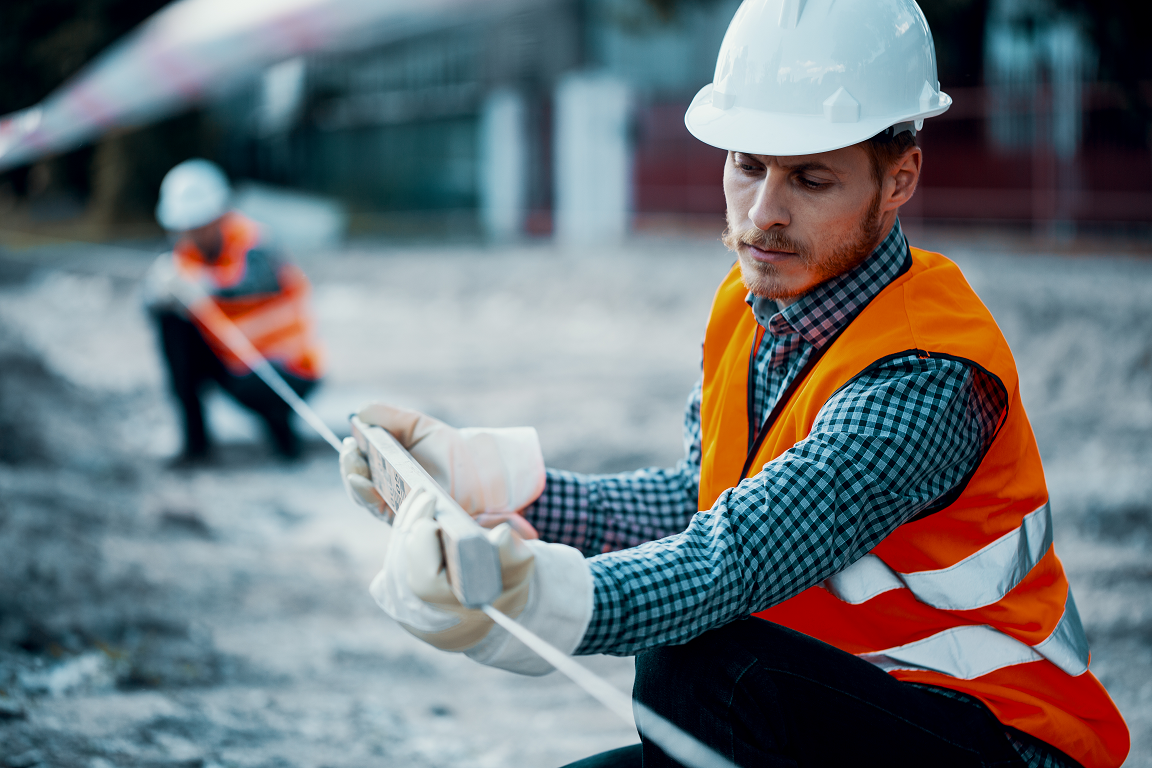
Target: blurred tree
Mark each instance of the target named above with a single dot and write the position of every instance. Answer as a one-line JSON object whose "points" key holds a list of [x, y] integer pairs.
{"points": [[666, 9], [958, 32], [43, 43], [1120, 29]]}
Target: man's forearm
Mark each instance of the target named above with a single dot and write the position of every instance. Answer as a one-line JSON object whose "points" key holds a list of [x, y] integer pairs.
{"points": [[603, 513]]}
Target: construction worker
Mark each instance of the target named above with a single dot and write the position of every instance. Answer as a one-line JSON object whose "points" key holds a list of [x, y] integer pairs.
{"points": [[853, 564], [221, 258]]}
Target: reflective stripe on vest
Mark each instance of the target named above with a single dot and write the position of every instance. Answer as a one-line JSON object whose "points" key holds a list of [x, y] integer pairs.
{"points": [[980, 579], [973, 651], [269, 318]]}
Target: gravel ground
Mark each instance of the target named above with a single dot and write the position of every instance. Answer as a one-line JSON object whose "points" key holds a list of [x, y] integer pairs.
{"points": [[219, 617]]}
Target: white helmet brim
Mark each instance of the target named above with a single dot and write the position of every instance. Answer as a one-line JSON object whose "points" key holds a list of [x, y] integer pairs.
{"points": [[757, 132]]}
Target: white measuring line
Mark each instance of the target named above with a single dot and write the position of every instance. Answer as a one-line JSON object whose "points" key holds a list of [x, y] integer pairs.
{"points": [[678, 744]]}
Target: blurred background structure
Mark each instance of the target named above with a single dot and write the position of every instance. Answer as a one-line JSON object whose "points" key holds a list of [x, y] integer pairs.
{"points": [[481, 156], [515, 118]]}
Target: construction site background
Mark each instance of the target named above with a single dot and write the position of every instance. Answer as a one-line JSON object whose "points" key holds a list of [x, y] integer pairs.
{"points": [[473, 123], [219, 617]]}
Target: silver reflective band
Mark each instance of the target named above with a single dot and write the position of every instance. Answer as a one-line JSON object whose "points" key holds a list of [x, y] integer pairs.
{"points": [[1067, 646], [980, 579], [974, 650], [863, 580]]}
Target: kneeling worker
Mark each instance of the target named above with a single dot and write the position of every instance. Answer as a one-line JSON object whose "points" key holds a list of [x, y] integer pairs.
{"points": [[222, 254], [853, 564]]}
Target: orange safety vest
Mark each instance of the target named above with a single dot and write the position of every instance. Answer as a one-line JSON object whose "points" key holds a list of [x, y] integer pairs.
{"points": [[971, 597], [279, 324]]}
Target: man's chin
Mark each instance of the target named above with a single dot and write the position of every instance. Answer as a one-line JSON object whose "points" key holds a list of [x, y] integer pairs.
{"points": [[764, 280]]}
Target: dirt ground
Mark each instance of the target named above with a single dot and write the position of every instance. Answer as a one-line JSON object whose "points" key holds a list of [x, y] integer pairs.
{"points": [[219, 617]]}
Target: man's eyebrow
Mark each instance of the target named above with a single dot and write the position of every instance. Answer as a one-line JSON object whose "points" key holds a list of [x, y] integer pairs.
{"points": [[799, 167], [808, 166]]}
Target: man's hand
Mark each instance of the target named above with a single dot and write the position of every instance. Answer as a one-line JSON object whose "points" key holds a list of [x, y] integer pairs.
{"points": [[548, 586], [166, 289], [492, 473], [158, 293]]}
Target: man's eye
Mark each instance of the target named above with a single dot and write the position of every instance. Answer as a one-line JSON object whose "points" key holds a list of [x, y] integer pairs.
{"points": [[812, 183]]}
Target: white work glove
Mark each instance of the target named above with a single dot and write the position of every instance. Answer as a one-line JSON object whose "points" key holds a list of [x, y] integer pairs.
{"points": [[157, 291], [491, 473], [166, 289], [548, 587]]}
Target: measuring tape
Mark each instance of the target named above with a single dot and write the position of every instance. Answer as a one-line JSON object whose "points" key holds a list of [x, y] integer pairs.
{"points": [[472, 561]]}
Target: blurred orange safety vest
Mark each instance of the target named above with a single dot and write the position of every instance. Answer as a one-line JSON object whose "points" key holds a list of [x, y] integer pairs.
{"points": [[279, 324], [972, 597]]}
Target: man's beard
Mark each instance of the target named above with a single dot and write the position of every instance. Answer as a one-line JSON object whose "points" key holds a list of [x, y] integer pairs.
{"points": [[764, 279]]}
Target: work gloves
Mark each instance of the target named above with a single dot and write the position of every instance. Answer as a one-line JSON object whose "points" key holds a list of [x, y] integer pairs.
{"points": [[165, 288], [547, 588], [161, 285], [492, 473]]}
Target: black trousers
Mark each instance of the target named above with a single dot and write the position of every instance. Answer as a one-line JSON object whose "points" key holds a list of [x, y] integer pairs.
{"points": [[764, 695], [192, 364]]}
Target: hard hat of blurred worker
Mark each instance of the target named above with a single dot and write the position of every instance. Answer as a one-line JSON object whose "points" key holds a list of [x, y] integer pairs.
{"points": [[797, 77], [192, 194]]}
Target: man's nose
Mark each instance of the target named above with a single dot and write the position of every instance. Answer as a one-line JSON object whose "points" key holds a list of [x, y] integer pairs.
{"points": [[769, 207]]}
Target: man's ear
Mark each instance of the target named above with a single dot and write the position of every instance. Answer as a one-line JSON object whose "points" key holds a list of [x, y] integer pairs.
{"points": [[902, 177]]}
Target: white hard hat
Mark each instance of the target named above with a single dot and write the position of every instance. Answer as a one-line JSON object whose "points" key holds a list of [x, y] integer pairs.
{"points": [[796, 77], [192, 194]]}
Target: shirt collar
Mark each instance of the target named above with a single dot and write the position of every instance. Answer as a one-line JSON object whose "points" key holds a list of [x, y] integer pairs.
{"points": [[822, 312]]}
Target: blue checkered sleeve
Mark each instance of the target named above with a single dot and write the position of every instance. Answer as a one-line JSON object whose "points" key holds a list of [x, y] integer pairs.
{"points": [[882, 449], [603, 513]]}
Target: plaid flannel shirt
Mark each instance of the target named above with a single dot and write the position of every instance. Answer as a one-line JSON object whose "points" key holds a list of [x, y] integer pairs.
{"points": [[882, 449]]}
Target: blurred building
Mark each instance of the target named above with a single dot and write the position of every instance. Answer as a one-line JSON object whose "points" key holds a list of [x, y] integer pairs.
{"points": [[559, 116], [1041, 139], [565, 118]]}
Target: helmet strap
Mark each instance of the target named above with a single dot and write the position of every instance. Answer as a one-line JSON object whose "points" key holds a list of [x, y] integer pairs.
{"points": [[895, 130]]}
